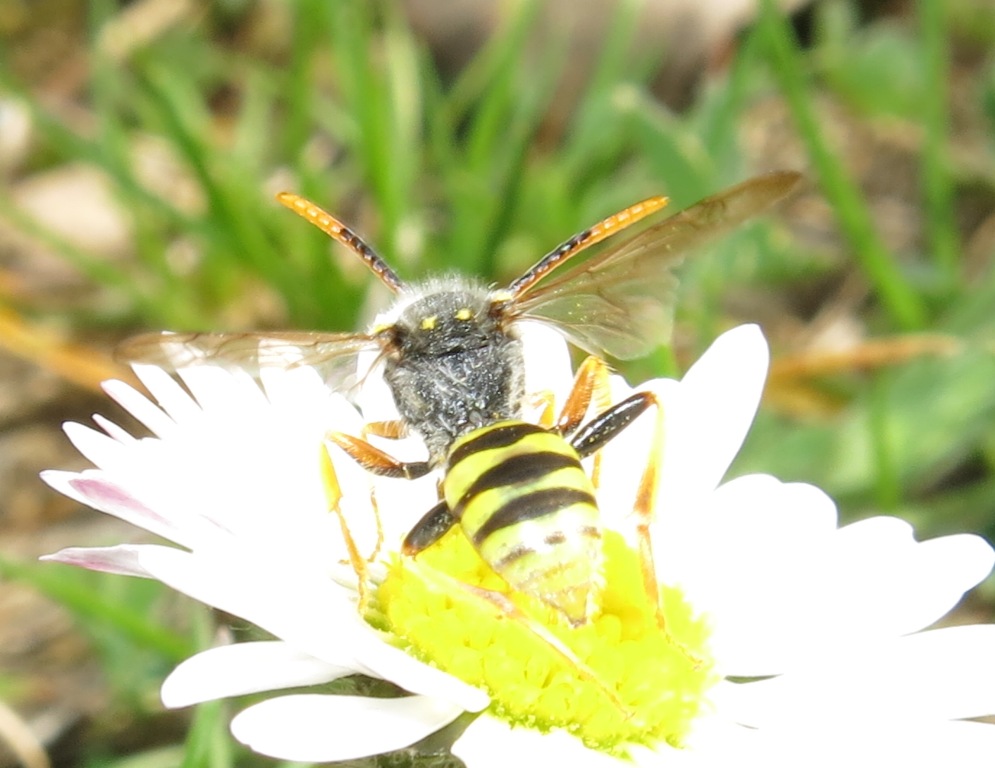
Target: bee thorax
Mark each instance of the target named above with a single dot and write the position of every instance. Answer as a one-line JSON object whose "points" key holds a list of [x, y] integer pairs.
{"points": [[453, 368]]}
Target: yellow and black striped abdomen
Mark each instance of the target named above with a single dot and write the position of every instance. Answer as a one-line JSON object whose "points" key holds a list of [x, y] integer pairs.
{"points": [[528, 507]]}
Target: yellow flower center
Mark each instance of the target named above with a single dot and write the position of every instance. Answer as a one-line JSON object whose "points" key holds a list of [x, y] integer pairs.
{"points": [[619, 679]]}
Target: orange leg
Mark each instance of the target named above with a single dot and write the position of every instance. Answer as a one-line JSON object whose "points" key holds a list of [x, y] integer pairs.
{"points": [[372, 459], [645, 507], [394, 429], [590, 384], [545, 400], [377, 462], [333, 493], [590, 439]]}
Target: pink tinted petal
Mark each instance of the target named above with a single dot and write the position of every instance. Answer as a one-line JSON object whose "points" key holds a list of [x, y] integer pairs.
{"points": [[318, 728], [122, 559], [92, 488], [707, 423], [235, 670]]}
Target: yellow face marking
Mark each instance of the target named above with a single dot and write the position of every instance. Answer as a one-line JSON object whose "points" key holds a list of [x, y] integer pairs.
{"points": [[464, 314], [428, 323]]}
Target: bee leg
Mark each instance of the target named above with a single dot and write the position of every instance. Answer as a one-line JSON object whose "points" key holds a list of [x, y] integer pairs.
{"points": [[592, 437], [604, 427], [395, 429], [509, 610], [590, 384], [333, 493], [433, 526], [372, 459], [378, 462], [544, 400], [376, 516]]}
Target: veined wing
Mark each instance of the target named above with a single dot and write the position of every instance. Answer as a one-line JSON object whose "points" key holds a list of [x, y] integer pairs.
{"points": [[334, 354], [621, 301]]}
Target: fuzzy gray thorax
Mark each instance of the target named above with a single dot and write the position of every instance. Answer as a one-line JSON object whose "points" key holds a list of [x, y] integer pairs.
{"points": [[453, 364]]}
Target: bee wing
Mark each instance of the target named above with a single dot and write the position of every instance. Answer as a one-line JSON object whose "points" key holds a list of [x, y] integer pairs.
{"points": [[333, 354], [621, 301]]}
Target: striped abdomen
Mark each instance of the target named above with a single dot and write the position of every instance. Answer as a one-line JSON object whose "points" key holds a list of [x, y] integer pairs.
{"points": [[528, 507]]}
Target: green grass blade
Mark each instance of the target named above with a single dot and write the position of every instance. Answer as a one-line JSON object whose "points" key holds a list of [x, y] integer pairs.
{"points": [[901, 302], [81, 598], [937, 186]]}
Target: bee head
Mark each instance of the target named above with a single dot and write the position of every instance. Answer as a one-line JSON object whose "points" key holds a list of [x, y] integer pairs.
{"points": [[442, 321]]}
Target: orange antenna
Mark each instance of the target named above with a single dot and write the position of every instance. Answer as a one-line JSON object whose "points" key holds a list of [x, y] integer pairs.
{"points": [[604, 228], [336, 230]]}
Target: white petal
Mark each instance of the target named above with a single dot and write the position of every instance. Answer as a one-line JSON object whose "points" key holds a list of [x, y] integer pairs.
{"points": [[235, 670], [889, 584], [782, 587], [318, 728], [114, 431], [172, 398], [705, 428], [746, 561], [867, 745], [272, 593], [625, 459], [281, 596], [286, 387], [220, 390], [122, 559], [547, 361], [140, 407], [97, 447], [383, 660], [492, 743], [931, 676]]}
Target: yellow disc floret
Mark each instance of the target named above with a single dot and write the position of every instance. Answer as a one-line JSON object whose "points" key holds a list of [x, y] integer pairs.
{"points": [[619, 679]]}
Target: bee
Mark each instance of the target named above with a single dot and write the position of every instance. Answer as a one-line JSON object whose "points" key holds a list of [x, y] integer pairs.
{"points": [[452, 357]]}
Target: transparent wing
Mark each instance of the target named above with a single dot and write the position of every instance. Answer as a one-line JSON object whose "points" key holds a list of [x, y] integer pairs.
{"points": [[621, 301], [333, 354]]}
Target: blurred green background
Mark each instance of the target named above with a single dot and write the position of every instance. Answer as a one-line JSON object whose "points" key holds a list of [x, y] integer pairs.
{"points": [[141, 145]]}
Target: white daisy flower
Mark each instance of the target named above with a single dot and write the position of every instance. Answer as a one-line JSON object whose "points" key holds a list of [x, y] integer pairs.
{"points": [[788, 641]]}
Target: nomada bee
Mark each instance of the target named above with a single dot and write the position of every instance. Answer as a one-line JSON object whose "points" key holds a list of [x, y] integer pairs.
{"points": [[452, 357]]}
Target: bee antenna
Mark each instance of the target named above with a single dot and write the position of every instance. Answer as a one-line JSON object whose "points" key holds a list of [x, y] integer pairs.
{"points": [[336, 230]]}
